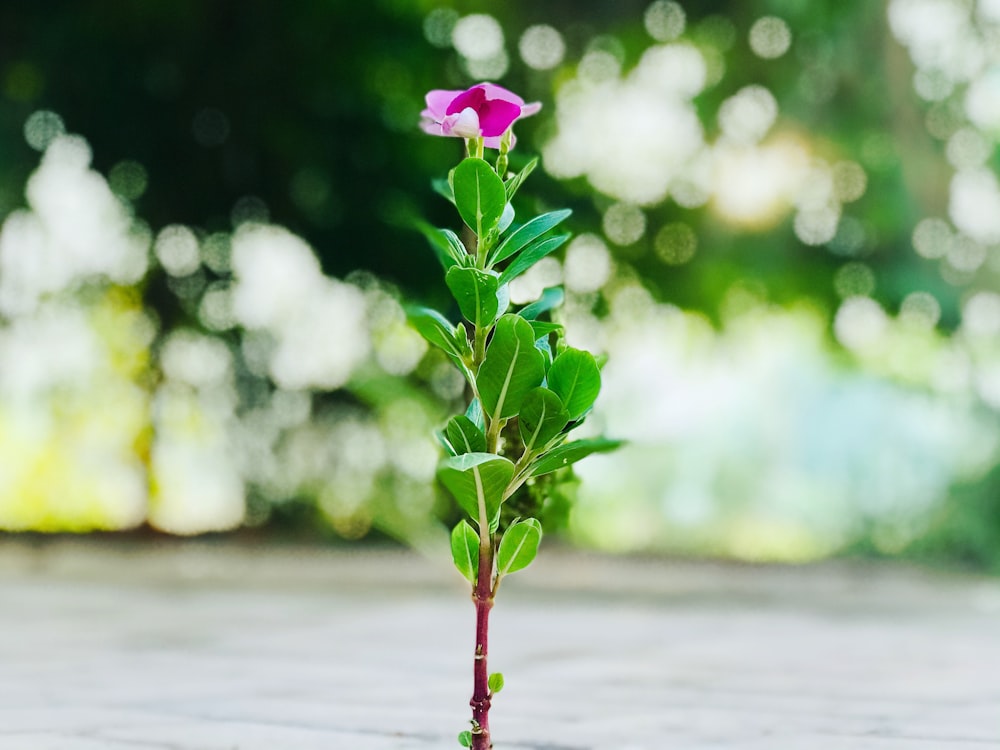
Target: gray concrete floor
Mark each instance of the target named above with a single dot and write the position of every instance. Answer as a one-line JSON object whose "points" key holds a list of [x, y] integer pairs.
{"points": [[202, 647]]}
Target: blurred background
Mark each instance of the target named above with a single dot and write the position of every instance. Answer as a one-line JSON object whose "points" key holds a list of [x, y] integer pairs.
{"points": [[787, 220]]}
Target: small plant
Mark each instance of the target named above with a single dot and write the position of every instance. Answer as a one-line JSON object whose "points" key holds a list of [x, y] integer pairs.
{"points": [[528, 390]]}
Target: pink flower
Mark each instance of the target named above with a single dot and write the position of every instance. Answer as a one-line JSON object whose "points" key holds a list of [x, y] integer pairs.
{"points": [[485, 111]]}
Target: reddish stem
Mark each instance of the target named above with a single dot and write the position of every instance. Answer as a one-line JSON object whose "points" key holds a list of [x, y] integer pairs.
{"points": [[482, 597]]}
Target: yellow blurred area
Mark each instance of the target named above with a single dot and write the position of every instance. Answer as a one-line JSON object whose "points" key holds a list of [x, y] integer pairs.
{"points": [[71, 454]]}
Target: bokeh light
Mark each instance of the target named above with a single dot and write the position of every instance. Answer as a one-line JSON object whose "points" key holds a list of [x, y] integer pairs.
{"points": [[541, 47], [756, 186], [529, 286], [280, 289], [746, 116], [665, 20], [920, 309], [932, 237], [478, 36], [975, 205], [71, 406], [770, 37], [41, 128], [588, 264], [624, 224], [439, 25], [675, 243], [981, 314], [645, 124], [176, 248], [860, 323], [854, 280], [968, 148], [849, 181], [128, 179]]}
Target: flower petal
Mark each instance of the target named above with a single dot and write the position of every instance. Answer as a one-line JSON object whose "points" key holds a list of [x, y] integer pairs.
{"points": [[494, 142], [438, 101], [485, 110], [473, 98], [465, 124], [496, 115], [499, 92], [528, 110], [432, 127]]}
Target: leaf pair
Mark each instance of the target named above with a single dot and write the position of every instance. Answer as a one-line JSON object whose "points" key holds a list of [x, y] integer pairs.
{"points": [[479, 294], [512, 368], [483, 201], [518, 548], [478, 482], [527, 233], [573, 381]]}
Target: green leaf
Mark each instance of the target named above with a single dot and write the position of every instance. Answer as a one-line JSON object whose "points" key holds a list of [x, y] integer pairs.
{"points": [[570, 453], [479, 195], [542, 417], [436, 329], [465, 550], [476, 293], [477, 481], [475, 413], [444, 189], [445, 443], [514, 182], [462, 337], [506, 218], [512, 367], [530, 256], [464, 436], [465, 738], [541, 328], [527, 233], [551, 297], [545, 348], [518, 546], [446, 245], [503, 299], [495, 682], [456, 249], [576, 379]]}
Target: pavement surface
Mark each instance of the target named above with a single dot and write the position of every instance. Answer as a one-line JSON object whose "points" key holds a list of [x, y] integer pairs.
{"points": [[195, 646]]}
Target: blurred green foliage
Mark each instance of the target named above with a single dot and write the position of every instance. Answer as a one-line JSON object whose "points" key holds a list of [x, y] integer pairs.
{"points": [[311, 107]]}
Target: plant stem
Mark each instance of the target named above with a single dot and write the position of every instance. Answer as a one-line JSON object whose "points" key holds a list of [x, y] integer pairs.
{"points": [[482, 597], [479, 351], [482, 594]]}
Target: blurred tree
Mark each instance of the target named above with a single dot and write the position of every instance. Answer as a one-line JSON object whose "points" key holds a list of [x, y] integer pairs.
{"points": [[310, 107], [208, 113]]}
